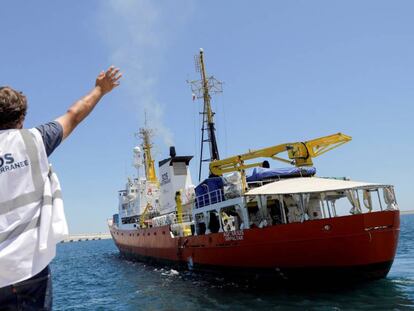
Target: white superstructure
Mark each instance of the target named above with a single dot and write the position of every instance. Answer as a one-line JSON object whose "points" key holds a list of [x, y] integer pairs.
{"points": [[141, 194]]}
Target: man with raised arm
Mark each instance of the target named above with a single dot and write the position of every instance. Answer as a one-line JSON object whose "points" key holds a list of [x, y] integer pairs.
{"points": [[32, 221]]}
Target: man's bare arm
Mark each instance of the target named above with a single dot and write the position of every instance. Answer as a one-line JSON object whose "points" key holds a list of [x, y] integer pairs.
{"points": [[105, 83]]}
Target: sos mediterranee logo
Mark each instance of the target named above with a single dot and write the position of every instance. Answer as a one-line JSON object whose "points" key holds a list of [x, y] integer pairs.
{"points": [[165, 179], [6, 159], [7, 163]]}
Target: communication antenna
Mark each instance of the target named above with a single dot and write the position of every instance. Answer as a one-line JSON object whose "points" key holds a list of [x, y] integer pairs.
{"points": [[201, 90]]}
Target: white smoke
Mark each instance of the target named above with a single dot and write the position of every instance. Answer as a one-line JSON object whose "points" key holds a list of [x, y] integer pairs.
{"points": [[137, 33]]}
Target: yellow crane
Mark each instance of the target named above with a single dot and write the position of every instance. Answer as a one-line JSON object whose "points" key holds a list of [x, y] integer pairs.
{"points": [[299, 153], [143, 216], [150, 175], [145, 135]]}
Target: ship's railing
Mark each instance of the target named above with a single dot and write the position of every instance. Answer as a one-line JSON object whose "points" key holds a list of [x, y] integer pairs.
{"points": [[212, 197], [171, 219], [186, 217]]}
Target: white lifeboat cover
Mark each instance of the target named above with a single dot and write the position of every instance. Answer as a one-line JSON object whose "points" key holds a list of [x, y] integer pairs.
{"points": [[308, 185]]}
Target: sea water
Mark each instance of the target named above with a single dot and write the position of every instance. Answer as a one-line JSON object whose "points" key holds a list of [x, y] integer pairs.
{"points": [[92, 276]]}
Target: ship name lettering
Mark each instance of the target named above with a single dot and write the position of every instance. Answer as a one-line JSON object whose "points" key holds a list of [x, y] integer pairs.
{"points": [[237, 235]]}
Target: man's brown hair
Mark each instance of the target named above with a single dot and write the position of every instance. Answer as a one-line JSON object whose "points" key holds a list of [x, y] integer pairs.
{"points": [[13, 107]]}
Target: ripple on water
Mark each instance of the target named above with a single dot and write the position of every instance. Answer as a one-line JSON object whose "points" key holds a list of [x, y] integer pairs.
{"points": [[91, 276]]}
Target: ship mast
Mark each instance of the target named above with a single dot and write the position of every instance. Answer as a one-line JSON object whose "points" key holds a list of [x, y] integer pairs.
{"points": [[202, 89], [146, 134]]}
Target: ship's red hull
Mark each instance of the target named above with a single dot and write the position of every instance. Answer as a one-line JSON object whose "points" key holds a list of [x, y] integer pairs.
{"points": [[356, 247]]}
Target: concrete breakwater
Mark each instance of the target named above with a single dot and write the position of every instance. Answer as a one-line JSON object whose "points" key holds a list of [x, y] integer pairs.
{"points": [[86, 237]]}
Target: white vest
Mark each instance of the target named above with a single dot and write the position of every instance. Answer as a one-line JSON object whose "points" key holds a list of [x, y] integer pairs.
{"points": [[32, 221]]}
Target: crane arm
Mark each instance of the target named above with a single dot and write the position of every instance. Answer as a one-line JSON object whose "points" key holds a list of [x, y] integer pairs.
{"points": [[299, 153], [144, 215]]}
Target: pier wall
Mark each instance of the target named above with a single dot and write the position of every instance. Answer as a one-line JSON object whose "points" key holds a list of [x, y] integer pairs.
{"points": [[86, 237]]}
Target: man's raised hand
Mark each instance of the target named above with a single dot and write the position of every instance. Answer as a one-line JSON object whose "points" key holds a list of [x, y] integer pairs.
{"points": [[108, 80], [105, 82]]}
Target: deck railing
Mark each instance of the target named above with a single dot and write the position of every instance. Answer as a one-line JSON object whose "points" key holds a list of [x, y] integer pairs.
{"points": [[171, 219], [209, 198]]}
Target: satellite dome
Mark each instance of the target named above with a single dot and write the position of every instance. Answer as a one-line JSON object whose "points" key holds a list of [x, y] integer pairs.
{"points": [[137, 149]]}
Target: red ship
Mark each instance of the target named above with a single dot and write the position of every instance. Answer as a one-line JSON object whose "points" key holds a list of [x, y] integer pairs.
{"points": [[250, 220]]}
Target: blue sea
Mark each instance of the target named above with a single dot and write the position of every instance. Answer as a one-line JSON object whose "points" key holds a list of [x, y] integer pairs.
{"points": [[91, 276]]}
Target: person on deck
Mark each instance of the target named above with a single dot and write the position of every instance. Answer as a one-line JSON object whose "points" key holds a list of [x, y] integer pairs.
{"points": [[29, 219]]}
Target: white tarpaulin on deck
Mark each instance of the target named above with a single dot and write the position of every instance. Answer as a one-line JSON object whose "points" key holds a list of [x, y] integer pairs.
{"points": [[307, 185]]}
